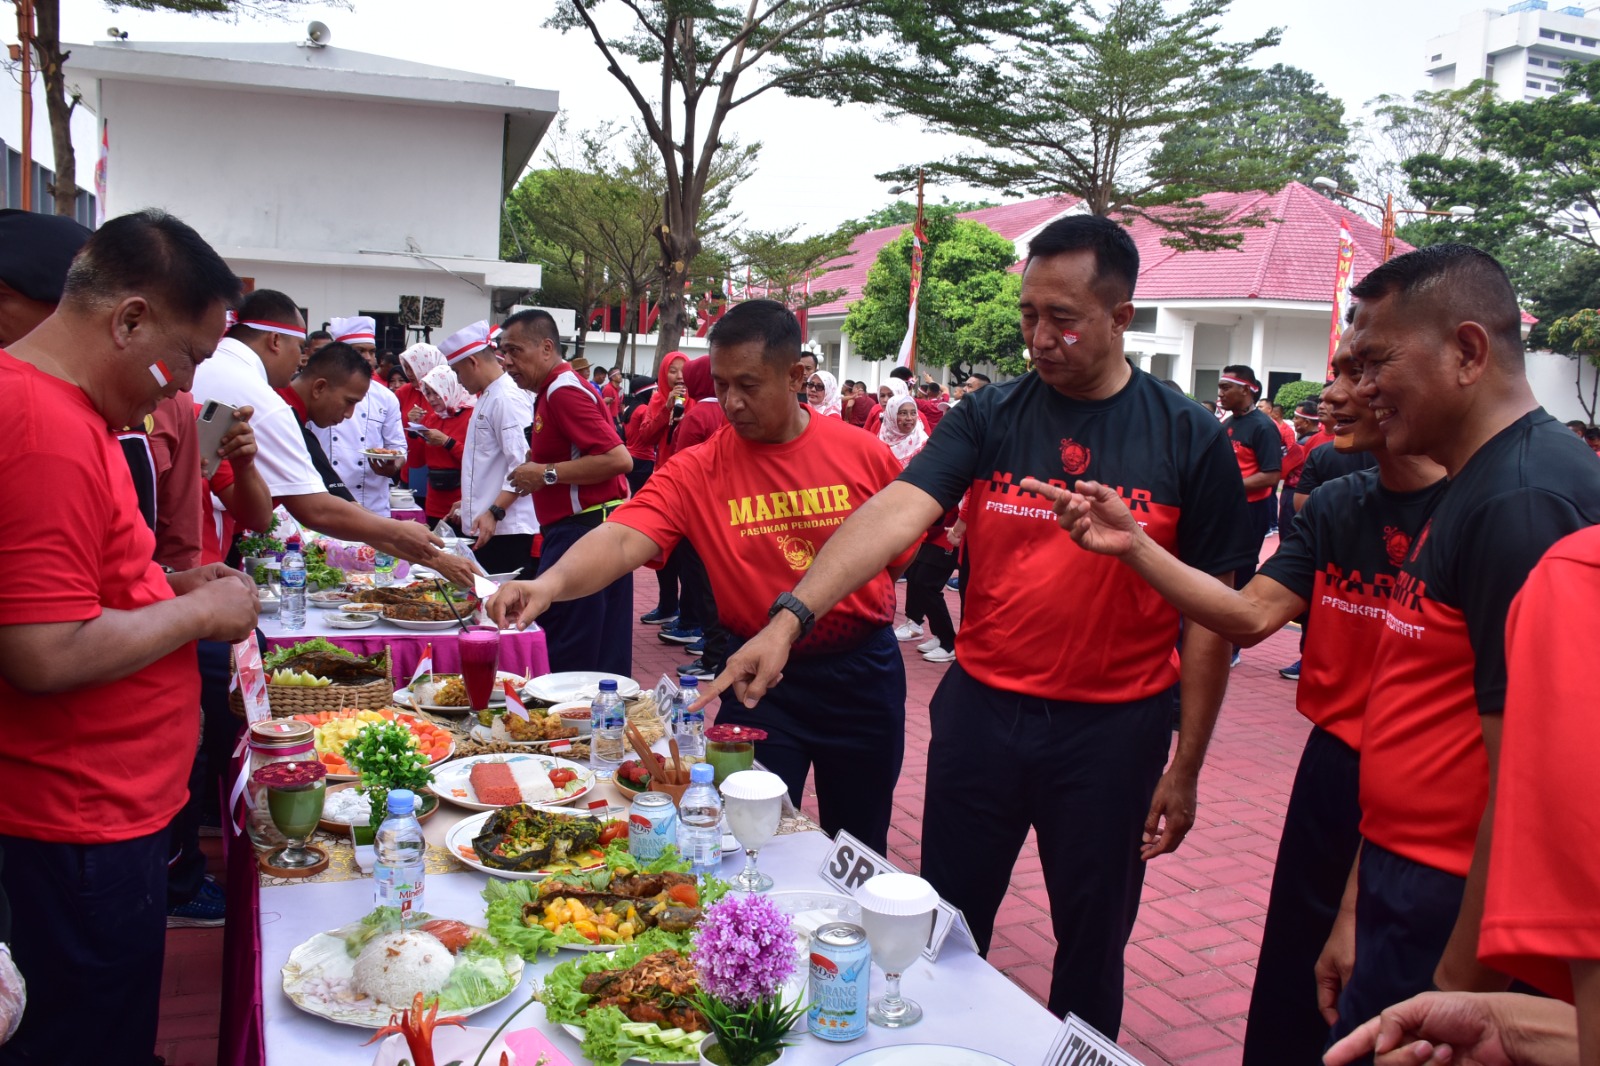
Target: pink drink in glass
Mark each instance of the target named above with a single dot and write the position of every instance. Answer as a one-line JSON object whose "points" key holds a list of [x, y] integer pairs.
{"points": [[480, 659]]}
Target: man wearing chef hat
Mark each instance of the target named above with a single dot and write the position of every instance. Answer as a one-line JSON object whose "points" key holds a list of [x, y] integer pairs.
{"points": [[501, 523], [376, 423]]}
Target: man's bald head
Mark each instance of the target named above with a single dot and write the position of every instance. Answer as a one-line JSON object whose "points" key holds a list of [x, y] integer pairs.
{"points": [[1446, 285]]}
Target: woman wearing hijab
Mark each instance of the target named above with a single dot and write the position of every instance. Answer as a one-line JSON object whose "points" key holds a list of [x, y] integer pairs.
{"points": [[444, 431], [893, 389], [416, 361], [903, 431], [822, 393], [668, 405]]}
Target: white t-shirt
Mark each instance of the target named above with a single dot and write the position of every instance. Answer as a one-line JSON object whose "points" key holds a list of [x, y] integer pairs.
{"points": [[496, 444], [375, 423], [234, 375]]}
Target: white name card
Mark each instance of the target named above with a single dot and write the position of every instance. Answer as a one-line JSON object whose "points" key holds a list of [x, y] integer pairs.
{"points": [[851, 864], [1081, 1044]]}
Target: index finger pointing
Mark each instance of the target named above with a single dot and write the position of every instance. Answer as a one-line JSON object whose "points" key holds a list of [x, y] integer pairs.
{"points": [[713, 689], [1033, 484]]}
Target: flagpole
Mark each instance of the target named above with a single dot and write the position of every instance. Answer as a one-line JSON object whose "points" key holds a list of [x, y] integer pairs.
{"points": [[919, 229]]}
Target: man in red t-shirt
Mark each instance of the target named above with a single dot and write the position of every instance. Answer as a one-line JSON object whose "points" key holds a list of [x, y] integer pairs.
{"points": [[88, 624], [760, 499], [577, 474]]}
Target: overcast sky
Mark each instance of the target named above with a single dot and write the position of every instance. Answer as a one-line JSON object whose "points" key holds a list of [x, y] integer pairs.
{"points": [[817, 163]]}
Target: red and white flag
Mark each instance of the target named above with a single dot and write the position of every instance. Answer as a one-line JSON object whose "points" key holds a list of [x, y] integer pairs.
{"points": [[1341, 290], [425, 665], [100, 172], [908, 346], [514, 702]]}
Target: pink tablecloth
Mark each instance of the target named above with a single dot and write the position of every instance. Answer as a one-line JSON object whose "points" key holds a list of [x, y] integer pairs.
{"points": [[520, 653], [410, 514]]}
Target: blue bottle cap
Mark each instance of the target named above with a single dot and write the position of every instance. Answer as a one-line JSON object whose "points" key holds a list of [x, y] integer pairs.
{"points": [[702, 773], [689, 681], [608, 685], [402, 801]]}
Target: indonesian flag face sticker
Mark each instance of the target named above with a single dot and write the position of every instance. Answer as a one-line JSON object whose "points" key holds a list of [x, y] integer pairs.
{"points": [[1068, 337], [161, 373]]}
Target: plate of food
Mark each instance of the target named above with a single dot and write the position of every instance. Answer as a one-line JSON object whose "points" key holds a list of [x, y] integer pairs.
{"points": [[577, 685], [346, 806], [447, 693], [329, 597], [332, 730], [418, 625], [489, 782], [541, 727], [364, 972], [643, 987], [525, 843], [382, 454], [351, 619]]}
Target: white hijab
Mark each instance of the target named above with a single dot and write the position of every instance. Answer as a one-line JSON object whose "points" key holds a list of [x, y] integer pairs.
{"points": [[904, 445], [421, 358], [829, 404], [445, 385]]}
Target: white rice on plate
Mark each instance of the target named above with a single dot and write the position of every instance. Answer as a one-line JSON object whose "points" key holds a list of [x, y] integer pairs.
{"points": [[394, 968]]}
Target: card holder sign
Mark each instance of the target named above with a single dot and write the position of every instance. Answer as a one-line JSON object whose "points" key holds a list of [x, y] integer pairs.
{"points": [[1080, 1044], [851, 864]]}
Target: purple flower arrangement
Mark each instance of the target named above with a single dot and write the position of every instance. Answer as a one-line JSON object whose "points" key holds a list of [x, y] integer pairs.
{"points": [[744, 951]]}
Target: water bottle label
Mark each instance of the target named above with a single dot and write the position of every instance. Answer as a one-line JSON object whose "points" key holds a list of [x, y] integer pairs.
{"points": [[293, 579]]}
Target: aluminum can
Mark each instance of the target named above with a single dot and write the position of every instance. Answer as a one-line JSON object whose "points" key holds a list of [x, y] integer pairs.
{"points": [[841, 973], [652, 825]]}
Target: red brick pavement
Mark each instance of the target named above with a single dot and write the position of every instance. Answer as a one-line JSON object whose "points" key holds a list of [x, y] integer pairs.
{"points": [[1192, 957]]}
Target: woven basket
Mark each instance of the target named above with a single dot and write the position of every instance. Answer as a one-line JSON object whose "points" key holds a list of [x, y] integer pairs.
{"points": [[289, 700]]}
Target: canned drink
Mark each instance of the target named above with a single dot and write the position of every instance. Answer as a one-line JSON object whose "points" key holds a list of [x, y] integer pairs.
{"points": [[841, 972], [652, 825]]}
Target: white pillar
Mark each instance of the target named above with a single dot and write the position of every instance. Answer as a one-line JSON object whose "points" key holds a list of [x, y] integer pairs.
{"points": [[1183, 365], [1258, 345], [845, 370]]}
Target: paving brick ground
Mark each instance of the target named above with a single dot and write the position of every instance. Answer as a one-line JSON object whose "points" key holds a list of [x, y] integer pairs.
{"points": [[1191, 961]]}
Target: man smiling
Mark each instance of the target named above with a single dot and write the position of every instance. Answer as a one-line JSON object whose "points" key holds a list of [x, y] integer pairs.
{"points": [[765, 494], [1065, 671]]}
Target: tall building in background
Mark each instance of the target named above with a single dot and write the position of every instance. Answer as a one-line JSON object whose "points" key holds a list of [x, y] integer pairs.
{"points": [[1523, 49]]}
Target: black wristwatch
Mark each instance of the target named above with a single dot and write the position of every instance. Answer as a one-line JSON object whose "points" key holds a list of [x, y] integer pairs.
{"points": [[787, 601], [498, 512]]}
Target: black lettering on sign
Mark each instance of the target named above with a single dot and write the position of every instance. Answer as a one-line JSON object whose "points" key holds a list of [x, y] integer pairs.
{"points": [[841, 860], [864, 869]]}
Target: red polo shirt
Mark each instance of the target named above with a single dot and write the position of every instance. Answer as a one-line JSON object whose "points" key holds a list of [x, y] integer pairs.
{"points": [[569, 422]]}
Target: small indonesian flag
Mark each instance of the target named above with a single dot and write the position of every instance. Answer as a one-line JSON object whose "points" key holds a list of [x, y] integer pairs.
{"points": [[560, 747], [425, 666], [514, 702], [599, 805]]}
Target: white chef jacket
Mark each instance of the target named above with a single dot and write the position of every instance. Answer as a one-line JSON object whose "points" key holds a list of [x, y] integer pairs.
{"points": [[497, 443], [234, 375], [375, 423]]}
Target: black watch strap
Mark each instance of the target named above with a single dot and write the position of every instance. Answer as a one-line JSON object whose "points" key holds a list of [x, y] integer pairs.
{"points": [[787, 601], [498, 512]]}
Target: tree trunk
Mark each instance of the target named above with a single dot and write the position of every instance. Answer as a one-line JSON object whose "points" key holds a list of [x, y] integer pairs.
{"points": [[674, 317], [47, 46]]}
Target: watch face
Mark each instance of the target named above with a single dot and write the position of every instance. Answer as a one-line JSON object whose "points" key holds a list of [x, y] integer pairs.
{"points": [[549, 475]]}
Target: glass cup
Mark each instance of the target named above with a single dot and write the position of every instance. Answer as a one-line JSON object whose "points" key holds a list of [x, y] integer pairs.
{"points": [[294, 792], [753, 802], [897, 913], [731, 748], [479, 648]]}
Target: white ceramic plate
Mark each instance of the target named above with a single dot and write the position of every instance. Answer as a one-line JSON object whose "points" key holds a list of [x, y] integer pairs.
{"points": [[496, 698], [427, 627], [374, 453], [577, 685], [322, 960], [484, 735], [453, 781], [458, 841], [339, 620], [328, 597], [925, 1055]]}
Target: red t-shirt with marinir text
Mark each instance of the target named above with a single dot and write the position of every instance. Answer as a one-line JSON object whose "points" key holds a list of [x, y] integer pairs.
{"points": [[1044, 617], [1349, 541], [1544, 871], [1441, 659], [758, 514], [103, 763]]}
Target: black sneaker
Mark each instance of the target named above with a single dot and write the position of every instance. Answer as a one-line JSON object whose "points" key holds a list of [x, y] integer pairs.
{"points": [[1291, 673], [658, 617], [697, 668], [207, 910]]}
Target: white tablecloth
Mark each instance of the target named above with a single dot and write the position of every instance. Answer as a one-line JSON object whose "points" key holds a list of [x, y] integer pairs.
{"points": [[968, 1002]]}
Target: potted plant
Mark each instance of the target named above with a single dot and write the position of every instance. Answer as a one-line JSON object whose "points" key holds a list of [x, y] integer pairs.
{"points": [[743, 952], [385, 754]]}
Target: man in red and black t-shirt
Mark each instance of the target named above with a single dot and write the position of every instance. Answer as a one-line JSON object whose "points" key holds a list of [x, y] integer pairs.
{"points": [[1351, 536], [1066, 669], [1258, 449], [760, 497], [577, 474], [1437, 332]]}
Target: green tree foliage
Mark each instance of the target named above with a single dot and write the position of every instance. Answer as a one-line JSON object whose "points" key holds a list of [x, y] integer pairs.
{"points": [[904, 212], [784, 264], [1578, 335], [1290, 393], [1082, 113], [1397, 129], [1267, 126], [705, 58], [967, 309]]}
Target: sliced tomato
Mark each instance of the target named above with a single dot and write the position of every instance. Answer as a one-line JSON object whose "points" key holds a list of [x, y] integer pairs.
{"points": [[613, 831], [684, 894], [561, 775]]}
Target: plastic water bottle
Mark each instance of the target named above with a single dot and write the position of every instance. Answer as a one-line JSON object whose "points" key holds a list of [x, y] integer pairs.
{"points": [[292, 579], [399, 849], [689, 726], [605, 730], [700, 821], [383, 569]]}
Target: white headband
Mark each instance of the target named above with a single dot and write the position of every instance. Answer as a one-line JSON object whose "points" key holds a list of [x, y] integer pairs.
{"points": [[275, 327]]}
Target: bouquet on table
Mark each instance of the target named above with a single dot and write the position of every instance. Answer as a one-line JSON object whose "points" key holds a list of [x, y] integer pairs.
{"points": [[743, 953]]}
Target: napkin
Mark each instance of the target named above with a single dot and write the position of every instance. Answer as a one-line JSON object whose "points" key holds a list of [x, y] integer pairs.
{"points": [[529, 1044]]}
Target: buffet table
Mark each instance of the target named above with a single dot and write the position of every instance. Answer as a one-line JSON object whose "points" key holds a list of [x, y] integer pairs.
{"points": [[521, 652], [967, 1002]]}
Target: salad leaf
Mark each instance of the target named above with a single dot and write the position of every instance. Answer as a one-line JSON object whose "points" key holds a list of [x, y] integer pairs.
{"points": [[379, 921], [480, 976], [278, 656], [619, 859], [606, 1044], [504, 919]]}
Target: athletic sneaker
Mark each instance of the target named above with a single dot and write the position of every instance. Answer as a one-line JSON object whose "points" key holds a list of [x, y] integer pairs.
{"points": [[696, 647], [1238, 657], [940, 655], [658, 617], [695, 669], [675, 634], [207, 910], [1291, 673], [954, 582], [908, 631], [929, 644]]}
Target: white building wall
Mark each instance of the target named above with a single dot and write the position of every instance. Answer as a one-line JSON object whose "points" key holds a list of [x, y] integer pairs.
{"points": [[1555, 380], [329, 291], [1513, 49], [301, 173]]}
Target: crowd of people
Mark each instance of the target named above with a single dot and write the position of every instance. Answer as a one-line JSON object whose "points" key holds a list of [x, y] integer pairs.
{"points": [[1106, 531]]}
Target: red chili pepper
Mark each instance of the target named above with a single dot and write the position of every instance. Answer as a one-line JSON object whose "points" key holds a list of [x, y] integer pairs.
{"points": [[417, 1027]]}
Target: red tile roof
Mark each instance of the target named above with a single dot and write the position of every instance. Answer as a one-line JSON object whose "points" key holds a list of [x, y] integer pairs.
{"points": [[1291, 257]]}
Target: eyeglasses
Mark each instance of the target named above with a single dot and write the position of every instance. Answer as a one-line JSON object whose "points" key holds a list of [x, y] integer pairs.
{"points": [[815, 385]]}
